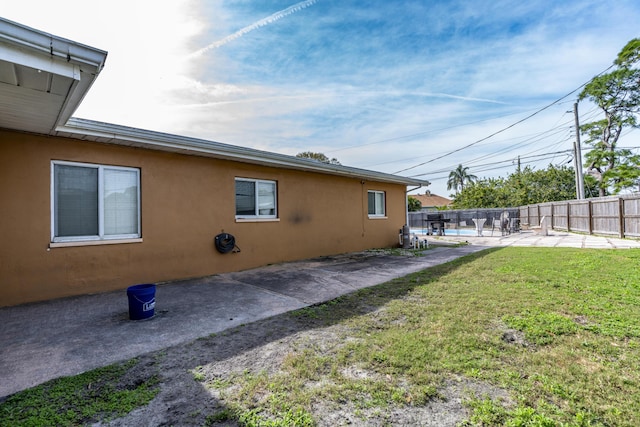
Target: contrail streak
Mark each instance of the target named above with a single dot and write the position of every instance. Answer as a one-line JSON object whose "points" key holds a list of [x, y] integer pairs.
{"points": [[261, 23]]}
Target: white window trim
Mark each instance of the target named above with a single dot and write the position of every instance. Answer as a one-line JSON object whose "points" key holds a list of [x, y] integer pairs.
{"points": [[383, 215], [60, 241], [94, 243], [258, 217]]}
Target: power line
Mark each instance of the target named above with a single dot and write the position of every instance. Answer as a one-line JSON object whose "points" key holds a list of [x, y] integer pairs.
{"points": [[419, 133], [437, 178], [533, 159], [530, 139], [503, 129], [485, 138], [510, 161]]}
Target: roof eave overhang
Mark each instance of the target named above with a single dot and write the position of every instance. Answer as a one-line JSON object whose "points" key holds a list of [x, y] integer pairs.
{"points": [[52, 55], [52, 46], [134, 137]]}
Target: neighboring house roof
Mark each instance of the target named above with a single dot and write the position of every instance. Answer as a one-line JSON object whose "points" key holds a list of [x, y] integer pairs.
{"points": [[430, 200], [43, 79]]}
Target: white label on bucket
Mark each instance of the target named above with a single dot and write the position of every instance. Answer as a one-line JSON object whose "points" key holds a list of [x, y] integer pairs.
{"points": [[147, 306]]}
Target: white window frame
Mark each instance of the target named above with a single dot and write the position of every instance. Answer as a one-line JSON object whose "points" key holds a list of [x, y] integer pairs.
{"points": [[257, 215], [101, 236], [377, 214]]}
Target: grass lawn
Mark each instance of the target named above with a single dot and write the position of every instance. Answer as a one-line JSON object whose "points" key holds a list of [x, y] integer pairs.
{"points": [[100, 394], [556, 329]]}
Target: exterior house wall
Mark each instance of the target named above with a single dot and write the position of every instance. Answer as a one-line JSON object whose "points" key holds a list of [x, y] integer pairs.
{"points": [[185, 201]]}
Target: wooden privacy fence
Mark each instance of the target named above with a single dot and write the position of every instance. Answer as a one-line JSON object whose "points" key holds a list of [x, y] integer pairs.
{"points": [[615, 216]]}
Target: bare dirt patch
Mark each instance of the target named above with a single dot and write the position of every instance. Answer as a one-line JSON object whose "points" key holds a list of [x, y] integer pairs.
{"points": [[196, 377], [513, 336]]}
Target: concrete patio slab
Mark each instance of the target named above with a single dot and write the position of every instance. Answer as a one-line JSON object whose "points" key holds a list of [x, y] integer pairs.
{"points": [[68, 336], [553, 239]]}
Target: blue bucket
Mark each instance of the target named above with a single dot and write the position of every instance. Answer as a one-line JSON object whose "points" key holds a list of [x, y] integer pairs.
{"points": [[142, 301]]}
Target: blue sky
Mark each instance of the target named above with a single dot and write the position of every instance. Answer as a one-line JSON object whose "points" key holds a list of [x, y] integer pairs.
{"points": [[383, 84]]}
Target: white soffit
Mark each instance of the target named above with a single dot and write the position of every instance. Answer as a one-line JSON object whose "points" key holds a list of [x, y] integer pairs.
{"points": [[43, 78]]}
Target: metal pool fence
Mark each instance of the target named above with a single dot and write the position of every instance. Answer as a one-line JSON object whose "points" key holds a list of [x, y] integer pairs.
{"points": [[609, 216]]}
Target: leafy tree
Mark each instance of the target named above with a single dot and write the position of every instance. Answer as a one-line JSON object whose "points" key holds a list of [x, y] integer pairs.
{"points": [[544, 185], [484, 193], [414, 205], [617, 94], [320, 157], [458, 177], [522, 188]]}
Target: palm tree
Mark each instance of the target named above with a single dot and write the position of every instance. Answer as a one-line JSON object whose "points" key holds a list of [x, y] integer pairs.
{"points": [[458, 177]]}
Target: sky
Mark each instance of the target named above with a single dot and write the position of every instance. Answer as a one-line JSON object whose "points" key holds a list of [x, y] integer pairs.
{"points": [[407, 87]]}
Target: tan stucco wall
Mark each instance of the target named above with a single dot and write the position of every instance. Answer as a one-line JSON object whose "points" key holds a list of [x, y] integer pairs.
{"points": [[186, 201]]}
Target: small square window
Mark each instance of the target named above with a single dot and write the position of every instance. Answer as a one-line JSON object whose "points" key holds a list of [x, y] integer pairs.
{"points": [[255, 198], [376, 203]]}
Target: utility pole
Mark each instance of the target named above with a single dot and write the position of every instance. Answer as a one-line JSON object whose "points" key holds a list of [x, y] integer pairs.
{"points": [[577, 156]]}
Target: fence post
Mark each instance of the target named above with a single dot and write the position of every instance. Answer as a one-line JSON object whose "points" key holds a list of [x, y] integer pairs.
{"points": [[621, 216], [590, 217], [607, 228]]}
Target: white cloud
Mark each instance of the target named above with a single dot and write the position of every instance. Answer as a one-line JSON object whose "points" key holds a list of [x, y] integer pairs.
{"points": [[145, 41], [254, 26]]}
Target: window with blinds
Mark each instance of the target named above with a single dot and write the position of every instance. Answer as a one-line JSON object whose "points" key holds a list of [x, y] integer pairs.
{"points": [[94, 202], [255, 198]]}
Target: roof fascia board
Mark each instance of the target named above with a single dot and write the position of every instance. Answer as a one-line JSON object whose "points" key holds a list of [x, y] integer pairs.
{"points": [[71, 102], [45, 43], [176, 143], [51, 65]]}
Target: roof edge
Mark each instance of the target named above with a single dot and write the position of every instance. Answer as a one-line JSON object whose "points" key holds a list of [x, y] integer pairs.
{"points": [[59, 47], [129, 136], [31, 48]]}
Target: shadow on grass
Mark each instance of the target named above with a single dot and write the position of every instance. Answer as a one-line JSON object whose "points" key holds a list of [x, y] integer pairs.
{"points": [[184, 398]]}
